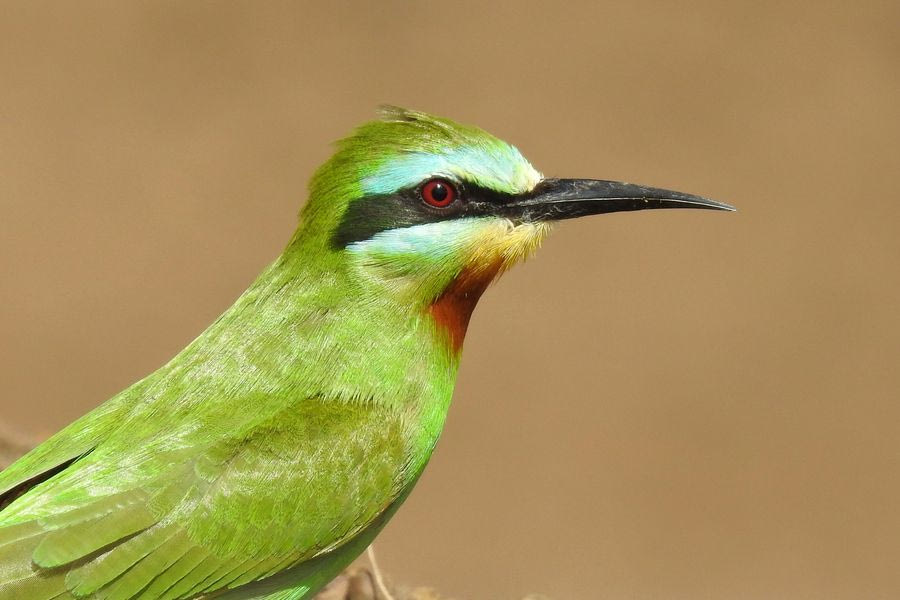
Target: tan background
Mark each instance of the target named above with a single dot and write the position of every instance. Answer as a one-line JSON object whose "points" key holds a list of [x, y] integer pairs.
{"points": [[668, 405]]}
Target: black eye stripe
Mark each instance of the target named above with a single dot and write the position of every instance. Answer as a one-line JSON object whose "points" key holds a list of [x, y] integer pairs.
{"points": [[369, 215]]}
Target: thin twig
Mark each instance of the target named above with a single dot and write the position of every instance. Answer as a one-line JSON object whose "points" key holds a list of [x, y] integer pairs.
{"points": [[376, 572]]}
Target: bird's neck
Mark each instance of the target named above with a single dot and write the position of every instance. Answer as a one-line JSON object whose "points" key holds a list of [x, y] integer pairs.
{"points": [[453, 308]]}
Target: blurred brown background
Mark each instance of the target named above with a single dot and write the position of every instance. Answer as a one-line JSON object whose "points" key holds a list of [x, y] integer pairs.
{"points": [[662, 405]]}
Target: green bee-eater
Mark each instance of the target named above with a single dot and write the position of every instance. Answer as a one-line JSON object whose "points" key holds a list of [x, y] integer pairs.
{"points": [[269, 452]]}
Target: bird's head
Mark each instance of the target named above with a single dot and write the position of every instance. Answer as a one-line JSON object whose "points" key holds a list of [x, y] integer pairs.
{"points": [[430, 212]]}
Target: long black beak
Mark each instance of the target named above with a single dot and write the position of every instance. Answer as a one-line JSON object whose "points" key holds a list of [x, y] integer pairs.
{"points": [[557, 199]]}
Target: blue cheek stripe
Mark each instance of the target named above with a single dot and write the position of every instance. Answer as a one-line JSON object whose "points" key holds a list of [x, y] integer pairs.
{"points": [[437, 240]]}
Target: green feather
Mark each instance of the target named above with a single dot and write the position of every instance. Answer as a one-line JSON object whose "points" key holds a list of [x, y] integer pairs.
{"points": [[18, 532], [192, 579], [170, 575], [139, 576], [268, 453], [15, 562], [95, 574], [62, 546], [38, 587]]}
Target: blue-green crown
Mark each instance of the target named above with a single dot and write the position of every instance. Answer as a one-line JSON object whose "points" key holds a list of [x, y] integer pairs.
{"points": [[406, 147]]}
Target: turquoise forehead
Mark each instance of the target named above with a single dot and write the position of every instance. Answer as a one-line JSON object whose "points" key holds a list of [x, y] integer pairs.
{"points": [[502, 169], [415, 146]]}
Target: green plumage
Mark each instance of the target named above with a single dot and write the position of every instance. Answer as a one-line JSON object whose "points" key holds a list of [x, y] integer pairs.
{"points": [[286, 430], [268, 454]]}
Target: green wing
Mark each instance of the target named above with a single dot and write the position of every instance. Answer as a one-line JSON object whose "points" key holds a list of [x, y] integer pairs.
{"points": [[58, 453], [178, 520]]}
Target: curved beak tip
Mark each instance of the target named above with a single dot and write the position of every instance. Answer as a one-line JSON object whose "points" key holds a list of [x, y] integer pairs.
{"points": [[716, 205]]}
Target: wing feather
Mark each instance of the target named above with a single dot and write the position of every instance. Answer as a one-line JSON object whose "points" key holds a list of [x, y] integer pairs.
{"points": [[169, 577], [244, 507], [95, 574]]}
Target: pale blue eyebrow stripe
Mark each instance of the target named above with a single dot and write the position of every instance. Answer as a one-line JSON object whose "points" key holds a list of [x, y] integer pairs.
{"points": [[505, 171]]}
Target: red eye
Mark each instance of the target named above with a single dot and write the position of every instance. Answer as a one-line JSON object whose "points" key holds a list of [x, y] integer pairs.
{"points": [[439, 193]]}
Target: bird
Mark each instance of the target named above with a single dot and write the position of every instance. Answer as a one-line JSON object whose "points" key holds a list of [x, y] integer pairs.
{"points": [[268, 454]]}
